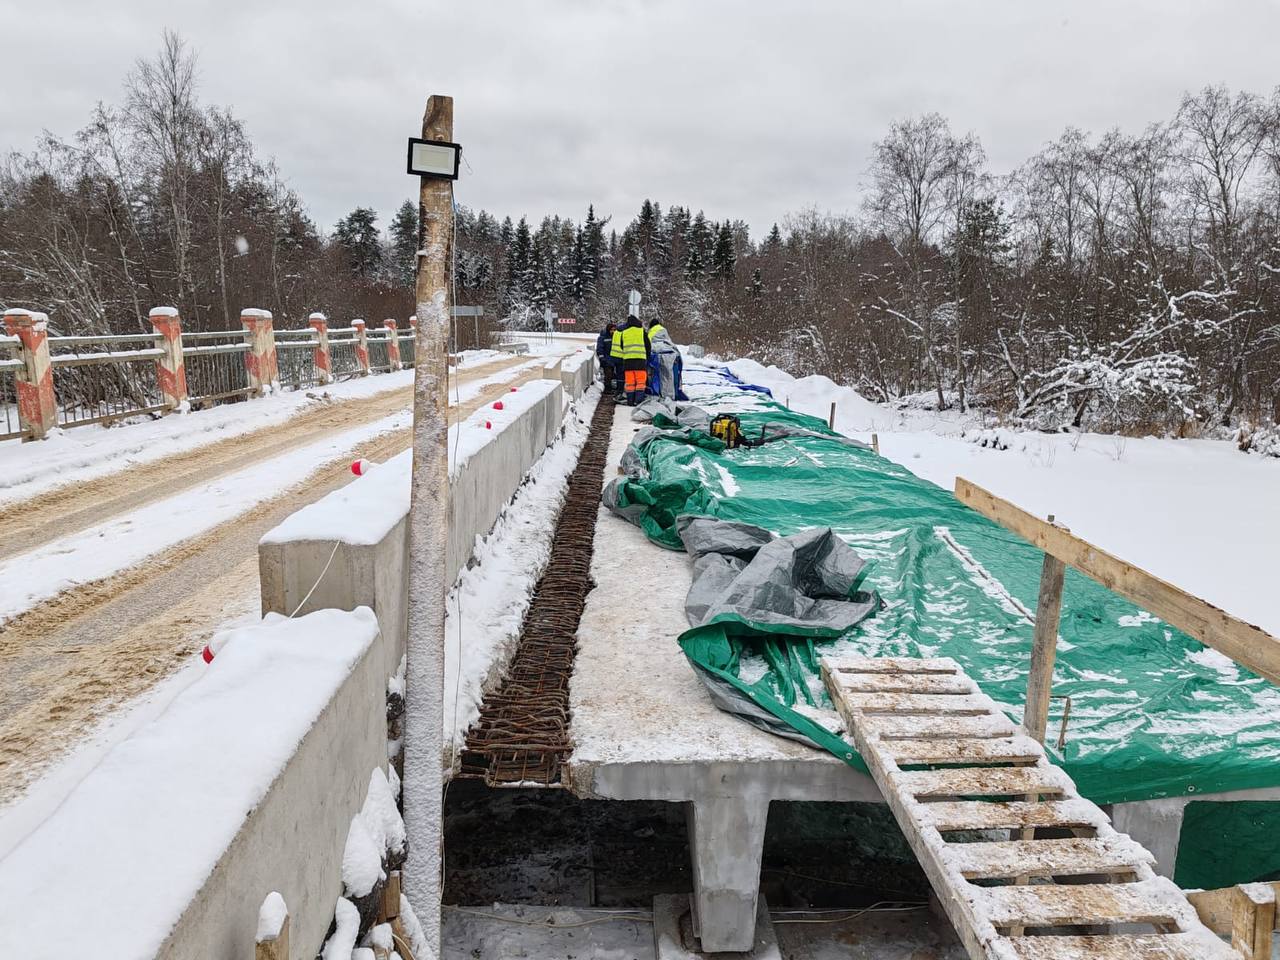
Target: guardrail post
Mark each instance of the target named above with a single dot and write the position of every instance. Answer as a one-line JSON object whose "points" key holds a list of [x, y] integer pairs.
{"points": [[393, 344], [37, 408], [324, 367], [362, 346], [260, 361], [171, 370]]}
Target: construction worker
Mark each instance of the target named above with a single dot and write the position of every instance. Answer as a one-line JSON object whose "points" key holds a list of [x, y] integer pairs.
{"points": [[656, 329], [635, 359], [604, 353], [615, 354]]}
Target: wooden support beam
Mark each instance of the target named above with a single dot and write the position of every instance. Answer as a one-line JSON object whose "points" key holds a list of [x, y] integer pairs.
{"points": [[875, 444], [831, 417], [1247, 645]]}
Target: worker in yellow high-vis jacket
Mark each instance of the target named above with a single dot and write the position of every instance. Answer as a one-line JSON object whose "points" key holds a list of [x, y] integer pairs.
{"points": [[635, 359], [615, 355]]}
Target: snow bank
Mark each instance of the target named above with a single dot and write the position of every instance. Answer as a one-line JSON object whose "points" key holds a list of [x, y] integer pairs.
{"points": [[132, 845]]}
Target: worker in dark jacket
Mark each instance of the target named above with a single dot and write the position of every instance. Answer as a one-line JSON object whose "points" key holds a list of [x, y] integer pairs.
{"points": [[635, 359], [609, 376]]}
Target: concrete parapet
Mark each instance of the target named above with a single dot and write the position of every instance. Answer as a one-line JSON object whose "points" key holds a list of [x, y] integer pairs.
{"points": [[171, 370], [512, 347], [362, 345], [260, 359], [577, 371], [37, 408], [246, 783], [393, 344], [352, 545], [323, 359]]}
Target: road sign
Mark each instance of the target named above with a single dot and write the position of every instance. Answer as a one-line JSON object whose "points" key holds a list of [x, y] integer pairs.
{"points": [[633, 303], [569, 321], [468, 311]]}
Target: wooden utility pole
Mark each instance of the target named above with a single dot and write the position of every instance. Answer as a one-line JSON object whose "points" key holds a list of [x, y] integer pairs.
{"points": [[428, 533]]}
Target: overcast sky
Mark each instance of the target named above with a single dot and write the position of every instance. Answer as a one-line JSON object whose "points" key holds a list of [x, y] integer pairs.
{"points": [[745, 109]]}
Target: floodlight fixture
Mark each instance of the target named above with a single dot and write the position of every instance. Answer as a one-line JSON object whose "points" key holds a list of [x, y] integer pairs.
{"points": [[437, 159]]}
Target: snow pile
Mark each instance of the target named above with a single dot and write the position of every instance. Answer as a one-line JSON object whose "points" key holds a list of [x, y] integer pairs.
{"points": [[343, 942], [161, 808], [361, 860], [271, 917]]}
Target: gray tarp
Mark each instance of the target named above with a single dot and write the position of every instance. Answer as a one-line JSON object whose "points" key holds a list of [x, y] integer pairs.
{"points": [[804, 581]]}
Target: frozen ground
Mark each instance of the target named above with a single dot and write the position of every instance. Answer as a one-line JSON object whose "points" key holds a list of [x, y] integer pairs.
{"points": [[1198, 513]]}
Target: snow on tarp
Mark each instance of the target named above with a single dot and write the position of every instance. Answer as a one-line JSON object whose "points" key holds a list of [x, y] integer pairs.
{"points": [[1153, 712], [365, 511], [135, 841]]}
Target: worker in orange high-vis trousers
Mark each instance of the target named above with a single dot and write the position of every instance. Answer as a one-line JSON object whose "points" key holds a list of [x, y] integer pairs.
{"points": [[635, 359]]}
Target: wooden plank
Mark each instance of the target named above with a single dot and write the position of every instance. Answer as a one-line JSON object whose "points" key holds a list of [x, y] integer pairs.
{"points": [[1044, 647], [976, 815], [1253, 917], [1005, 859], [938, 684], [890, 665], [970, 752], [1244, 643], [1174, 946], [998, 782], [910, 727], [917, 703], [1057, 905]]}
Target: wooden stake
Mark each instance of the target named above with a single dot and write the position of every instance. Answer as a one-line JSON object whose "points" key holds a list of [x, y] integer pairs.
{"points": [[831, 417], [428, 535], [1044, 647], [390, 907], [875, 444], [276, 948]]}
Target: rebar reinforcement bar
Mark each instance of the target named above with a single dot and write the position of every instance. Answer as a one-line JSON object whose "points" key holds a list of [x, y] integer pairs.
{"points": [[523, 731]]}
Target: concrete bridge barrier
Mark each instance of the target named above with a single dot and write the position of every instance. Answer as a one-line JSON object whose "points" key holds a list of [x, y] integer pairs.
{"points": [[350, 548]]}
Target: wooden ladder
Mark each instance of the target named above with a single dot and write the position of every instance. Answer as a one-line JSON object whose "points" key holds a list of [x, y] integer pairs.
{"points": [[969, 769]]}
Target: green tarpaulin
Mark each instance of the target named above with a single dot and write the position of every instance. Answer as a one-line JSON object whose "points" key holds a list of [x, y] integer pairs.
{"points": [[1153, 713]]}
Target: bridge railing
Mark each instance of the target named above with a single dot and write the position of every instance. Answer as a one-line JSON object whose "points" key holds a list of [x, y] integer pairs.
{"points": [[49, 382]]}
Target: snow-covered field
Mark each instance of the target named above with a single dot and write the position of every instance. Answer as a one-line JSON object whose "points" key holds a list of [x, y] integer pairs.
{"points": [[1198, 513]]}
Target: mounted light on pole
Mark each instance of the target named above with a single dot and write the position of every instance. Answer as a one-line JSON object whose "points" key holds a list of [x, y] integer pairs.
{"points": [[437, 159]]}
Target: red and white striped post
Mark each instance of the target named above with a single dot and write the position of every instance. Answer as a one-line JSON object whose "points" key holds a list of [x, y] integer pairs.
{"points": [[260, 361], [171, 370], [393, 344], [37, 408], [362, 346], [324, 367]]}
